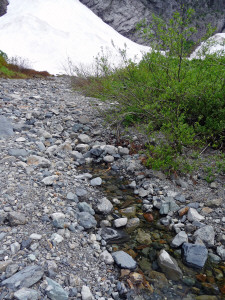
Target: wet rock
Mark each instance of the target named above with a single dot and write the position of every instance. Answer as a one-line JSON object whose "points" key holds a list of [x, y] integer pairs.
{"points": [[55, 291], [179, 239], [129, 211], [120, 222], [193, 215], [27, 294], [158, 279], [106, 257], [86, 220], [148, 217], [206, 234], [132, 224], [206, 297], [143, 237], [136, 278], [194, 255], [25, 278], [6, 128], [111, 235], [104, 206], [124, 260], [96, 181], [221, 252], [16, 218], [169, 266], [214, 258], [86, 293]]}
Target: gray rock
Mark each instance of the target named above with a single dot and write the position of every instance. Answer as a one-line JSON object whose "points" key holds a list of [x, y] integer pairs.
{"points": [[82, 148], [96, 181], [6, 128], [11, 269], [38, 161], [104, 206], [76, 155], [214, 258], [15, 247], [142, 192], [221, 252], [27, 294], [25, 278], [194, 255], [111, 235], [206, 234], [179, 239], [3, 216], [214, 202], [18, 152], [84, 138], [86, 293], [124, 260], [50, 179], [72, 197], [109, 149], [81, 192], [83, 206], [96, 152], [86, 220], [123, 150], [180, 198], [169, 266], [3, 7], [16, 218], [108, 159], [55, 291]]}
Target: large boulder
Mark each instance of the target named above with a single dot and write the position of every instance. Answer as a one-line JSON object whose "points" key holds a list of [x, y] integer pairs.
{"points": [[123, 16]]}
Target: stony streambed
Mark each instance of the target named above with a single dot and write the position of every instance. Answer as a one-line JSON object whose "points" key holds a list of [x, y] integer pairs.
{"points": [[71, 231], [147, 238]]}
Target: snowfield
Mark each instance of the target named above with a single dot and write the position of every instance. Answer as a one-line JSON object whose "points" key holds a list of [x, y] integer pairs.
{"points": [[48, 32]]}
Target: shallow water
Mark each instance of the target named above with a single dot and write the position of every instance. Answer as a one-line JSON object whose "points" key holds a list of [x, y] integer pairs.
{"points": [[208, 281]]}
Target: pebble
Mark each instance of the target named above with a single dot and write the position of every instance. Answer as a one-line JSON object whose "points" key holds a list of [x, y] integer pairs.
{"points": [[86, 293], [124, 260]]}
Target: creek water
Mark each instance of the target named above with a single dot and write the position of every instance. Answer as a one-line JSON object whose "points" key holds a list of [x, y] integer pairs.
{"points": [[205, 284]]}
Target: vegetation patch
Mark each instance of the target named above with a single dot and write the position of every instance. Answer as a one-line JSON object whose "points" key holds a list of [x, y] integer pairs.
{"points": [[17, 68], [180, 103]]}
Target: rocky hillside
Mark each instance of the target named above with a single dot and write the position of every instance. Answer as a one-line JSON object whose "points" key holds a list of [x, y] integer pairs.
{"points": [[3, 7], [124, 15]]}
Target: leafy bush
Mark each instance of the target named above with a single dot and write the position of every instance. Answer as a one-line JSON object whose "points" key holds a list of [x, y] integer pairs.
{"points": [[180, 101]]}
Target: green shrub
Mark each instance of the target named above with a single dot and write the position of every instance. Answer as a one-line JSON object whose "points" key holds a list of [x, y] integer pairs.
{"points": [[180, 101]]}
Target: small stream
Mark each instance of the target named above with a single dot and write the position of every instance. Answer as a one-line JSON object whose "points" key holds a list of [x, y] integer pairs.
{"points": [[209, 281]]}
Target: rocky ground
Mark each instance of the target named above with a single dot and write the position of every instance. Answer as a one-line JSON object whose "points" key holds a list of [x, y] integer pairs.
{"points": [[57, 225]]}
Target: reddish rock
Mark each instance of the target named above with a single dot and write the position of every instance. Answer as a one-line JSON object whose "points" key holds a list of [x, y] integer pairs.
{"points": [[148, 217], [201, 277], [183, 211]]}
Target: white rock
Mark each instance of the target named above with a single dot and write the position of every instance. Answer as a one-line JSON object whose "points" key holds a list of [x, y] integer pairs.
{"points": [[35, 236], [96, 181], [86, 293], [50, 179], [55, 237], [107, 257], [123, 150], [21, 139], [120, 222], [104, 206], [57, 216], [84, 138], [108, 158], [82, 148], [109, 149], [179, 239], [193, 215]]}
